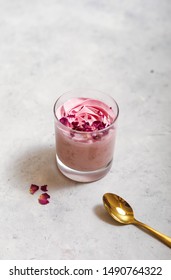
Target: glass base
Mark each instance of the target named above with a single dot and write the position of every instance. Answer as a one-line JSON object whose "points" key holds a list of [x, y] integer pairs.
{"points": [[83, 176]]}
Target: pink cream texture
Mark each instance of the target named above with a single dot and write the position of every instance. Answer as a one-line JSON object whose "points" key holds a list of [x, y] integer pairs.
{"points": [[85, 134]]}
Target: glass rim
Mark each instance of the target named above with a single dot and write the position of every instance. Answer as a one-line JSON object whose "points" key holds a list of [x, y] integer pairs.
{"points": [[85, 132]]}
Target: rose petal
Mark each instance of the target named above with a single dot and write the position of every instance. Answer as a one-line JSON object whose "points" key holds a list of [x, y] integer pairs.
{"points": [[44, 188], [71, 116], [43, 198], [98, 125], [33, 188], [43, 201], [45, 195], [64, 121]]}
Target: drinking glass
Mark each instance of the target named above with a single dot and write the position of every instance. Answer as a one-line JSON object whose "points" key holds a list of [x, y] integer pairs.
{"points": [[85, 155]]}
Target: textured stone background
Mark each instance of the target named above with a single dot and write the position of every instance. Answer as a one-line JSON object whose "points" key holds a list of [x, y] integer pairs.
{"points": [[48, 47]]}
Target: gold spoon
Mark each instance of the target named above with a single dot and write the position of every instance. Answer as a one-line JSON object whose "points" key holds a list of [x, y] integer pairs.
{"points": [[122, 212]]}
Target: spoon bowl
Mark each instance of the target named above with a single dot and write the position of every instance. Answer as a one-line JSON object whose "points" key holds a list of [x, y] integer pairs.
{"points": [[123, 213], [118, 208]]}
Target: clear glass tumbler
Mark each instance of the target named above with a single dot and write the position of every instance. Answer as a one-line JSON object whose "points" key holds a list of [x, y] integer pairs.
{"points": [[85, 132]]}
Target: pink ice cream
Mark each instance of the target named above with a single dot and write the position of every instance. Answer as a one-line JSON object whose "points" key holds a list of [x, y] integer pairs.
{"points": [[85, 134]]}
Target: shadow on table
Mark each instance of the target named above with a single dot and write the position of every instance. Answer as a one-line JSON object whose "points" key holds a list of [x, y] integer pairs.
{"points": [[38, 166], [102, 214]]}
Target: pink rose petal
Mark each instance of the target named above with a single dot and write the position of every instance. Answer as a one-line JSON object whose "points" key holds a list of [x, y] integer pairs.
{"points": [[45, 195], [33, 188], [44, 188], [43, 198], [64, 121], [98, 125]]}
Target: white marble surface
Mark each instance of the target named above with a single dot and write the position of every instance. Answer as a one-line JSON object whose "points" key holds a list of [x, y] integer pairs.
{"points": [[120, 47]]}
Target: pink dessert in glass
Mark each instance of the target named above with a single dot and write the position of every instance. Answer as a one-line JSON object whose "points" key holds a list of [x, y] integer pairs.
{"points": [[85, 130]]}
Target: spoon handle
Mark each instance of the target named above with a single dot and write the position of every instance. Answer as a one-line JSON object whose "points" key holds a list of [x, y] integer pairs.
{"points": [[162, 237]]}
